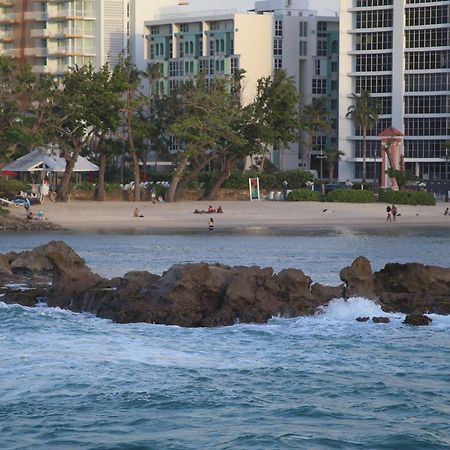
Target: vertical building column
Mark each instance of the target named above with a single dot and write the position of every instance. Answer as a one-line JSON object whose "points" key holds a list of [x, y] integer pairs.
{"points": [[398, 64]]}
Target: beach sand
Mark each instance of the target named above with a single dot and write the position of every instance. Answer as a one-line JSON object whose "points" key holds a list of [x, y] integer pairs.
{"points": [[118, 216]]}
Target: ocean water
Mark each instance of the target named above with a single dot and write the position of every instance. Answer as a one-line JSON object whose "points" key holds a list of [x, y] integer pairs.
{"points": [[73, 381]]}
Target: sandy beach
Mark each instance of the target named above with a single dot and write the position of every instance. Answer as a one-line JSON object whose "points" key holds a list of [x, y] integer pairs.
{"points": [[118, 216]]}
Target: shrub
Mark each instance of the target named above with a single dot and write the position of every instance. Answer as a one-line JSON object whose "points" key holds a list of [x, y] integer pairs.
{"points": [[296, 178], [351, 196], [159, 188], [14, 186], [407, 197], [113, 187], [85, 186], [304, 195]]}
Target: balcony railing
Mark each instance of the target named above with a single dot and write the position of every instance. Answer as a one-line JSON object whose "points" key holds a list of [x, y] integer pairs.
{"points": [[36, 51]]}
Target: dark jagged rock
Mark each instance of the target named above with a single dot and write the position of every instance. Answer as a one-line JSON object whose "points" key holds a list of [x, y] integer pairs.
{"points": [[362, 319], [197, 295], [13, 223], [417, 320], [359, 279], [414, 288], [380, 319]]}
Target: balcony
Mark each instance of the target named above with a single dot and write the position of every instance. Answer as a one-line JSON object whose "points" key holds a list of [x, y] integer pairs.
{"points": [[10, 18], [6, 3], [40, 33], [6, 37], [11, 52], [49, 69], [38, 52], [35, 15], [63, 14]]}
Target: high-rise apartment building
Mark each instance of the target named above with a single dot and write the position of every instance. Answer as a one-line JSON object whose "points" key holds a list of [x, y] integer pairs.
{"points": [[306, 46], [399, 51], [52, 35], [216, 45]]}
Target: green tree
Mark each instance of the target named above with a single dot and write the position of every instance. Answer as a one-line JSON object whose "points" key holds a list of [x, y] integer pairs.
{"points": [[205, 126], [332, 156], [16, 124], [127, 79], [365, 114], [276, 111], [314, 123]]}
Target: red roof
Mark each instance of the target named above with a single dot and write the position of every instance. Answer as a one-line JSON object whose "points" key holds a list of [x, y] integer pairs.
{"points": [[391, 131]]}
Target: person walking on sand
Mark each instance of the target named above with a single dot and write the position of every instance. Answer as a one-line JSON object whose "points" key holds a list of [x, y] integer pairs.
{"points": [[211, 224], [394, 212], [388, 210]]}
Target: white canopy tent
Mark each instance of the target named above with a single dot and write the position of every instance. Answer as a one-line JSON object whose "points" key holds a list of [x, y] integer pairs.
{"points": [[46, 161]]}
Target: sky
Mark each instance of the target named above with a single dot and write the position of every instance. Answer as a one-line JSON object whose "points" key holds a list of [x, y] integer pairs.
{"points": [[327, 7]]}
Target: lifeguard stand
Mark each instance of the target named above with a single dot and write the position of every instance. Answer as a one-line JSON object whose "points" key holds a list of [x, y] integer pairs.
{"points": [[392, 142]]}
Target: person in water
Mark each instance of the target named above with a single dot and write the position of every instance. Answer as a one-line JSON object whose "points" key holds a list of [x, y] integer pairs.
{"points": [[211, 224]]}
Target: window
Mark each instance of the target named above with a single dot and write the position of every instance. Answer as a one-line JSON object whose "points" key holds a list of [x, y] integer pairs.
{"points": [[319, 86], [278, 63], [375, 84], [374, 41], [278, 28], [184, 27], [317, 66], [427, 60], [427, 82], [234, 64], [374, 62], [321, 47], [376, 18], [303, 29], [278, 47], [303, 48]]}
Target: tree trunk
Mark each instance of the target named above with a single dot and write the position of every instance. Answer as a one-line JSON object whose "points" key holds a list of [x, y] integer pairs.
{"points": [[62, 191], [330, 172], [212, 194], [364, 149], [192, 175], [101, 194], [176, 179]]}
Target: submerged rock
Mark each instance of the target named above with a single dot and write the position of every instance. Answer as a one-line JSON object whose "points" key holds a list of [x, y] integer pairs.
{"points": [[380, 319], [362, 319], [417, 320], [199, 295]]}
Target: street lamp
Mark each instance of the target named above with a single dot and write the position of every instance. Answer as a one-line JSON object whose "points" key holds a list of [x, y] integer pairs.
{"points": [[321, 157]]}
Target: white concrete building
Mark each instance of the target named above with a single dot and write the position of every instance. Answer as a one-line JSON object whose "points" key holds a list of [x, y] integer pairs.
{"points": [[306, 46], [400, 52]]}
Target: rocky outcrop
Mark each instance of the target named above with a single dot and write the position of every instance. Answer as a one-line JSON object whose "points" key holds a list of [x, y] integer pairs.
{"points": [[413, 288], [14, 223], [359, 279], [198, 295]]}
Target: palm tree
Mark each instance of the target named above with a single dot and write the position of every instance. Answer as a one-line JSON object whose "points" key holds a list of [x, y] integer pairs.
{"points": [[332, 156], [314, 118], [364, 113]]}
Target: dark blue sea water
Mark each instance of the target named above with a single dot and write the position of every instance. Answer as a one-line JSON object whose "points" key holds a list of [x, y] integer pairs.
{"points": [[72, 381]]}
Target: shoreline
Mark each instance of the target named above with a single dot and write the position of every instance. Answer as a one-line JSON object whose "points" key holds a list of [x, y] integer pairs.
{"points": [[239, 217]]}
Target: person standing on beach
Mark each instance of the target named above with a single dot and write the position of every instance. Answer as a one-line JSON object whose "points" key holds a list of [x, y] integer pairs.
{"points": [[211, 224], [394, 212], [388, 210]]}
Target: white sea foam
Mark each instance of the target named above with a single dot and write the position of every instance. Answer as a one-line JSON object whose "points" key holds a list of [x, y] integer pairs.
{"points": [[344, 310]]}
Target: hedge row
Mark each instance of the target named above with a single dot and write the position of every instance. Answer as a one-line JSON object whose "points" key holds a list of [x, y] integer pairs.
{"points": [[351, 196], [304, 195], [14, 186], [407, 197]]}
